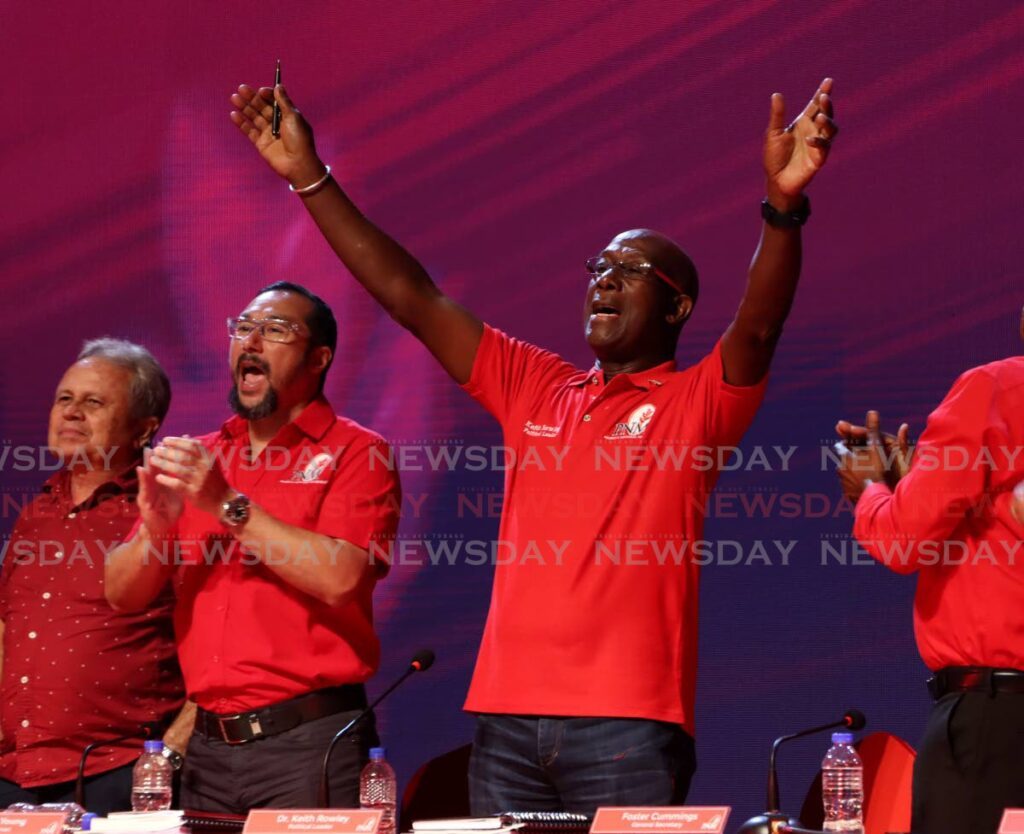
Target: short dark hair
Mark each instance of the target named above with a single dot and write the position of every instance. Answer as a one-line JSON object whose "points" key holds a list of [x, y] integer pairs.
{"points": [[323, 327]]}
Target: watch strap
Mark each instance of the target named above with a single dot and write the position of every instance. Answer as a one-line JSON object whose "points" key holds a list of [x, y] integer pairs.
{"points": [[785, 219]]}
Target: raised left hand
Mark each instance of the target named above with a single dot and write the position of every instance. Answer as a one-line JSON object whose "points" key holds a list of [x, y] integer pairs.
{"points": [[794, 154]]}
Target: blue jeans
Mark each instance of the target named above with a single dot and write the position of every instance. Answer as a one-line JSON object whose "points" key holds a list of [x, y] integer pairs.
{"points": [[533, 763]]}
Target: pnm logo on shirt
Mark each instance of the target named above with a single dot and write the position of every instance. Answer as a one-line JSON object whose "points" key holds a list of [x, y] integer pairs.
{"points": [[312, 472], [636, 424]]}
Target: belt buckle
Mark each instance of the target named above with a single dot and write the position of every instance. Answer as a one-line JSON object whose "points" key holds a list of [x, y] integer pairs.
{"points": [[254, 727]]}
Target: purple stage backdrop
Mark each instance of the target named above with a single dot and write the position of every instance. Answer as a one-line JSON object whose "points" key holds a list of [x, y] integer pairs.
{"points": [[504, 143]]}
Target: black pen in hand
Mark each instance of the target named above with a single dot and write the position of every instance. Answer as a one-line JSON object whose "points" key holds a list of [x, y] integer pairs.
{"points": [[275, 125]]}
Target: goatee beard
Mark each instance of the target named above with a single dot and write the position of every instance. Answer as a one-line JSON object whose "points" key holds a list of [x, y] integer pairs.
{"points": [[264, 408]]}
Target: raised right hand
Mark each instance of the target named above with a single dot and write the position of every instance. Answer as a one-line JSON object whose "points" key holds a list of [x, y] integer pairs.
{"points": [[292, 155]]}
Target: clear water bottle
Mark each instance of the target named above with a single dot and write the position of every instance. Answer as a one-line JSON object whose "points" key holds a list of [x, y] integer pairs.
{"points": [[152, 779], [842, 786], [378, 789]]}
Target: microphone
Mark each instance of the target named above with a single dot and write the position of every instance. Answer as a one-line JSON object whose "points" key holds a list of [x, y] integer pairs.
{"points": [[148, 730], [853, 719], [773, 820], [421, 661]]}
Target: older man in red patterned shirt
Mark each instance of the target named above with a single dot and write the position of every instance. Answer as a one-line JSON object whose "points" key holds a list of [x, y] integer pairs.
{"points": [[74, 671]]}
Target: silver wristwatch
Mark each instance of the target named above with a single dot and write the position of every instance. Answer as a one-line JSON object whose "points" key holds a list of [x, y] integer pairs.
{"points": [[174, 758], [235, 511]]}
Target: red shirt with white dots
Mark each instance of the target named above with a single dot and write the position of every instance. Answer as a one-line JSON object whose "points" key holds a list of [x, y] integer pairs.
{"points": [[75, 671]]}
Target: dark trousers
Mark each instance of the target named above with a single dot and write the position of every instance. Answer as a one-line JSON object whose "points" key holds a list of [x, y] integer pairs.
{"points": [[104, 792], [970, 765], [531, 763], [281, 771]]}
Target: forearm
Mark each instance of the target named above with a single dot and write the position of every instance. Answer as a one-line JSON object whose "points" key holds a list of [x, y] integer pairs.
{"points": [[178, 733], [137, 571], [750, 341], [326, 568], [388, 272], [877, 529], [771, 283]]}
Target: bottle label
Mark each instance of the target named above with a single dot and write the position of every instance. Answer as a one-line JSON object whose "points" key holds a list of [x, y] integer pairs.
{"points": [[32, 823], [670, 820], [312, 821]]}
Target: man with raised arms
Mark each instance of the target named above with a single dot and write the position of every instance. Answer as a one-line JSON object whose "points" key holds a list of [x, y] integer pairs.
{"points": [[584, 685]]}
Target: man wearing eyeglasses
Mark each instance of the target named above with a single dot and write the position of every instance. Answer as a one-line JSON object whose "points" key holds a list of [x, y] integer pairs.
{"points": [[275, 529], [584, 685]]}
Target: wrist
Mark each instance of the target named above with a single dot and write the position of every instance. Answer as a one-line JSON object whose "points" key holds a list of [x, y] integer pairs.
{"points": [[782, 202], [175, 758], [234, 510], [788, 218], [150, 532], [306, 172]]}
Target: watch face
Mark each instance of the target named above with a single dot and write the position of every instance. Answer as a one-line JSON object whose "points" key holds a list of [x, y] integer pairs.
{"points": [[236, 511], [176, 759]]}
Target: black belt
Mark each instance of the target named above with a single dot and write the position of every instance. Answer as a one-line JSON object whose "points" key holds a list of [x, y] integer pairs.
{"points": [[975, 679], [280, 717]]}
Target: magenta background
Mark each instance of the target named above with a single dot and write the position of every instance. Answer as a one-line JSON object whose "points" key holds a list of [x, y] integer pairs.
{"points": [[504, 143]]}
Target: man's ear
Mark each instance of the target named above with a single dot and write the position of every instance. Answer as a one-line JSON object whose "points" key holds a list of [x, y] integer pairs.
{"points": [[319, 358], [682, 307], [147, 431]]}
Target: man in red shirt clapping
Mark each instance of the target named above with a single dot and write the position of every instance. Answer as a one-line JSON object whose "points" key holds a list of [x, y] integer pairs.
{"points": [[955, 520], [274, 529]]}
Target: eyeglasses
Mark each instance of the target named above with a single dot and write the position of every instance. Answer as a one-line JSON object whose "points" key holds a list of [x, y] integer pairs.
{"points": [[630, 270], [272, 330]]}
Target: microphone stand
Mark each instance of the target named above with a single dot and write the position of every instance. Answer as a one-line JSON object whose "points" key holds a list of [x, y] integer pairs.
{"points": [[420, 663], [774, 821], [146, 731]]}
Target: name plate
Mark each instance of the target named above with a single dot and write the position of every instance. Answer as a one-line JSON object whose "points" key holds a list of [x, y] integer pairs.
{"points": [[670, 820], [31, 823], [314, 821], [1013, 821]]}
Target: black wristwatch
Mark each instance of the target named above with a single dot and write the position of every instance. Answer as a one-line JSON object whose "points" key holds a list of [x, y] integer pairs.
{"points": [[174, 758], [785, 219], [235, 511]]}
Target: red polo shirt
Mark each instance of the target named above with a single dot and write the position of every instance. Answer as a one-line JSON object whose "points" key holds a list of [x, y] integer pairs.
{"points": [[594, 606], [74, 671], [245, 637], [949, 521]]}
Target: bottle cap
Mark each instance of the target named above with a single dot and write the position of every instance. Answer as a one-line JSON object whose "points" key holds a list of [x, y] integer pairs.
{"points": [[87, 819], [153, 746], [842, 738], [377, 754]]}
